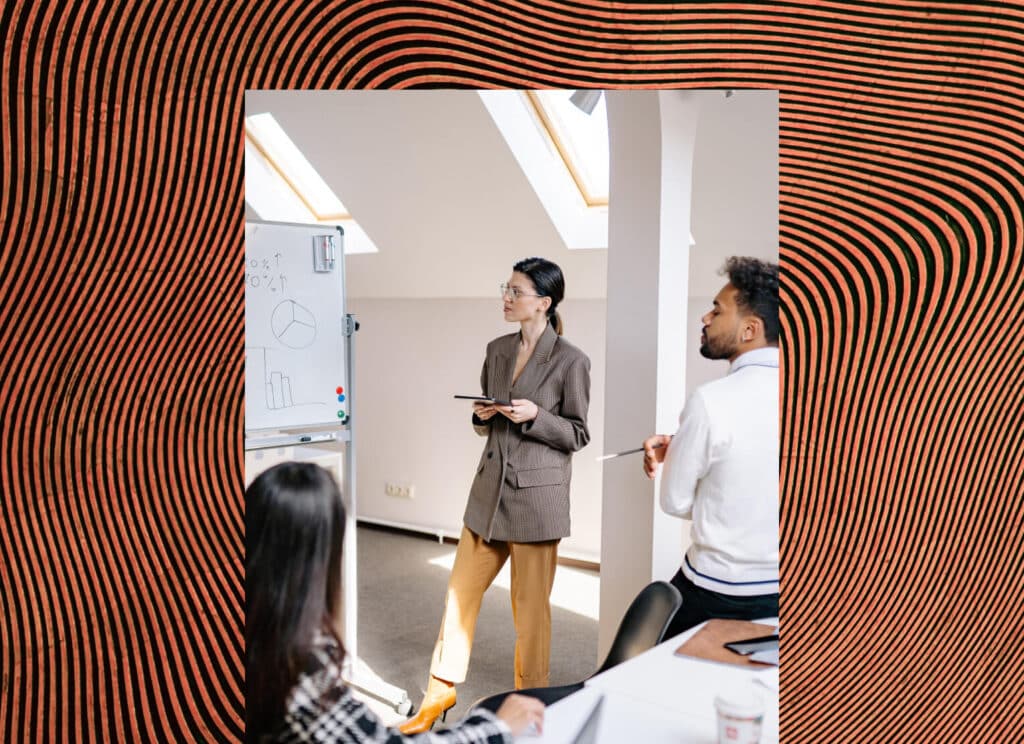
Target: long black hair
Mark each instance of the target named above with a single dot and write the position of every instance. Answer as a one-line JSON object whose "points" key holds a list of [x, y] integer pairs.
{"points": [[548, 281], [294, 531]]}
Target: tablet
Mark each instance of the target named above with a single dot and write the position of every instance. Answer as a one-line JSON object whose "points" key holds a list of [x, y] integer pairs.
{"points": [[485, 399], [753, 645]]}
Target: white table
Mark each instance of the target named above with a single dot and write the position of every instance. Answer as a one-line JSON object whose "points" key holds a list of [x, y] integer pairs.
{"points": [[659, 697]]}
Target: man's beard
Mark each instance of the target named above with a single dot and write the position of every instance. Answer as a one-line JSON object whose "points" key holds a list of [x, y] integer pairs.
{"points": [[716, 349]]}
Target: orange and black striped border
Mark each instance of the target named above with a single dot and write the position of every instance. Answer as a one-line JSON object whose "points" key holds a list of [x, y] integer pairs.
{"points": [[121, 324]]}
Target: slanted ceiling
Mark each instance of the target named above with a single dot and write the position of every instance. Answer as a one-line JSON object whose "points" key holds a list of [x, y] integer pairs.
{"points": [[434, 184], [431, 180]]}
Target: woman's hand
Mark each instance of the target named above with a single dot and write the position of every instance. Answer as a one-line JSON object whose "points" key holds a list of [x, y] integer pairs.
{"points": [[519, 711], [521, 410], [655, 448], [483, 411]]}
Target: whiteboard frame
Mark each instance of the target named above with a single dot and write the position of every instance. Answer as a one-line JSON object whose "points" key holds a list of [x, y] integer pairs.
{"points": [[252, 436], [354, 670], [344, 433]]}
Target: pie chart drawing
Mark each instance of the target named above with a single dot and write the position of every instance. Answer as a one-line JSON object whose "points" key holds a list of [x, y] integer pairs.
{"points": [[293, 325]]}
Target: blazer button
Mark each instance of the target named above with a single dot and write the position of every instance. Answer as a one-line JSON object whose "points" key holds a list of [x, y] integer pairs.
{"points": [[490, 454]]}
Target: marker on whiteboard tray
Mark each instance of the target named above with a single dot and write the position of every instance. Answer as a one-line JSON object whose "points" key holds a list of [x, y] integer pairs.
{"points": [[305, 439]]}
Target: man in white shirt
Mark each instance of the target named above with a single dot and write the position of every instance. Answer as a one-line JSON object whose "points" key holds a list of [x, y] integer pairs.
{"points": [[722, 465]]}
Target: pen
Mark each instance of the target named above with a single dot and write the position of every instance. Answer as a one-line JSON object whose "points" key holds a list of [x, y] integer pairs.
{"points": [[627, 452]]}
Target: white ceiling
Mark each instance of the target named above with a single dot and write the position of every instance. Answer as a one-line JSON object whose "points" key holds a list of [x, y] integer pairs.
{"points": [[432, 181]]}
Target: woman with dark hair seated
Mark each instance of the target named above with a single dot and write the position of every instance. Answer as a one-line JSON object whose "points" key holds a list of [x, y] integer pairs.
{"points": [[294, 530]]}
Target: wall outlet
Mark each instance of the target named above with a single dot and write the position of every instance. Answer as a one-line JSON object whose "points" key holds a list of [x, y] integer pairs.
{"points": [[398, 490]]}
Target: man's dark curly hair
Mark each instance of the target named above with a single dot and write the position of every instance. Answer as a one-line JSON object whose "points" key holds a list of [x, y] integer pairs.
{"points": [[758, 285]]}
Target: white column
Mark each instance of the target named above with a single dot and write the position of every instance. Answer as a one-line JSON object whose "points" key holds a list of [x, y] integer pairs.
{"points": [[652, 136]]}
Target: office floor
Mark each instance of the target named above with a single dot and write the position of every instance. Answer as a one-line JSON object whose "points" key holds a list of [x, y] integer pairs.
{"points": [[402, 582]]}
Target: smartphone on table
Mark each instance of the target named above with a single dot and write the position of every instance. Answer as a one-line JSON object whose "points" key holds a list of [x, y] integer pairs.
{"points": [[753, 645]]}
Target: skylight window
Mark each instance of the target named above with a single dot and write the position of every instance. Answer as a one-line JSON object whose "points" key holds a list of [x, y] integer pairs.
{"points": [[580, 138], [568, 171], [282, 186], [280, 152]]}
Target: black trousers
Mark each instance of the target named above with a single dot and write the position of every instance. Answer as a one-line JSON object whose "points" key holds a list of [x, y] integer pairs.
{"points": [[703, 604]]}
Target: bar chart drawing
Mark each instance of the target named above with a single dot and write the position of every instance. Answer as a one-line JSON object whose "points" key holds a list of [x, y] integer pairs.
{"points": [[279, 391], [276, 383]]}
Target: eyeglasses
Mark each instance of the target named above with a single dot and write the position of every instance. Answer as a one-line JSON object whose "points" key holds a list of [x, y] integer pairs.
{"points": [[515, 293]]}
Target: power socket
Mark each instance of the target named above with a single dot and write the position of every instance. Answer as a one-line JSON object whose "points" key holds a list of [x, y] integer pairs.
{"points": [[399, 491]]}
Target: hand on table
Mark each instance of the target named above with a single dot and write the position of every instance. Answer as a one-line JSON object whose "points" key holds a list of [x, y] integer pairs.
{"points": [[521, 712]]}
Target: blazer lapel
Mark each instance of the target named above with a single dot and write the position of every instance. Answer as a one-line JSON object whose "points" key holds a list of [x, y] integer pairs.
{"points": [[533, 372], [504, 365]]}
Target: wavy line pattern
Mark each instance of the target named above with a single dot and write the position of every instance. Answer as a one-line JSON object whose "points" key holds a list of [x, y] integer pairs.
{"points": [[121, 333]]}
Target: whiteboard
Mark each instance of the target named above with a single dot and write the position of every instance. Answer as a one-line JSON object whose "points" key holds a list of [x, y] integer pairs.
{"points": [[295, 373]]}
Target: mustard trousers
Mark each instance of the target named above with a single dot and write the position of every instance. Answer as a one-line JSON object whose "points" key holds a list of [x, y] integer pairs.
{"points": [[533, 574]]}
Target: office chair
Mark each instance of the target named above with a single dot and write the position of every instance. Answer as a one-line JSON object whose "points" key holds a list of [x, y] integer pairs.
{"points": [[642, 628]]}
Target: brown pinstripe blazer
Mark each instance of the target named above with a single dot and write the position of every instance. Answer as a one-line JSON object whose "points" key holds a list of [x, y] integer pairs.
{"points": [[521, 489]]}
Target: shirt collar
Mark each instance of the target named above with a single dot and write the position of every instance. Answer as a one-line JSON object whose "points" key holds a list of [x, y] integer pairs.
{"points": [[766, 356]]}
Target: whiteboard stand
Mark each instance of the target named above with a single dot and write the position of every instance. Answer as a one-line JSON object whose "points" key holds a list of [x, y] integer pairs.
{"points": [[356, 673], [360, 677], [294, 303]]}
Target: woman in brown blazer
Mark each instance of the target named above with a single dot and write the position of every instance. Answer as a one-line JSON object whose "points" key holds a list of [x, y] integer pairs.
{"points": [[519, 501]]}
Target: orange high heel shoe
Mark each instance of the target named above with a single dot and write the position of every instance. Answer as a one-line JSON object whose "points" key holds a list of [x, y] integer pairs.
{"points": [[439, 698]]}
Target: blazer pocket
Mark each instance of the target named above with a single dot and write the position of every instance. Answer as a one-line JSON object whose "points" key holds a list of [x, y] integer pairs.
{"points": [[540, 477]]}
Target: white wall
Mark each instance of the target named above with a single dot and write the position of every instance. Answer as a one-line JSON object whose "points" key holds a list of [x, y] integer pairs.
{"points": [[735, 202], [729, 145], [447, 236], [412, 355], [735, 208]]}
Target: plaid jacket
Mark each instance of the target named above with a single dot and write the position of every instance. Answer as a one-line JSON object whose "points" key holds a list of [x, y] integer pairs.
{"points": [[321, 708]]}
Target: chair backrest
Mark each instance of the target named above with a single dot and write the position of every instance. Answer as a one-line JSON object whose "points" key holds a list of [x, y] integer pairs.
{"points": [[644, 624], [643, 627]]}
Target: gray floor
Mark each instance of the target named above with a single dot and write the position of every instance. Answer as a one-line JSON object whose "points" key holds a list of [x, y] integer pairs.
{"points": [[401, 597]]}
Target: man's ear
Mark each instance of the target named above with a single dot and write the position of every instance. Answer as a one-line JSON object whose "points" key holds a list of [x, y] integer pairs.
{"points": [[751, 328]]}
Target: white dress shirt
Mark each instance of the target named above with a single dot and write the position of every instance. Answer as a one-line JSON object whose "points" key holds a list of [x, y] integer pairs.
{"points": [[722, 471]]}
